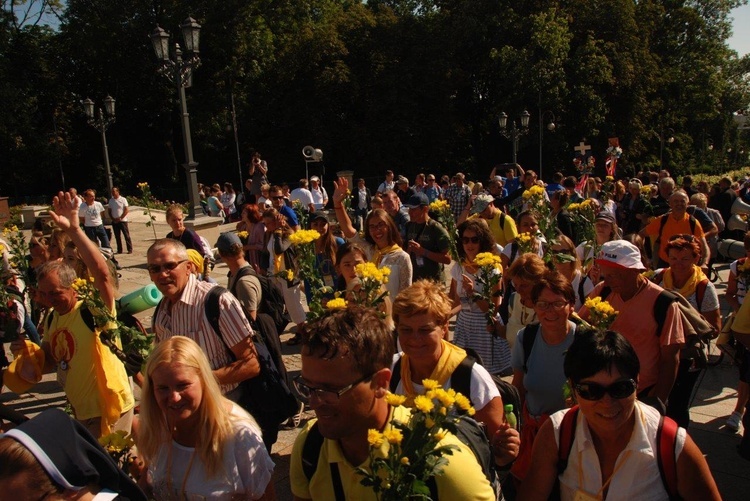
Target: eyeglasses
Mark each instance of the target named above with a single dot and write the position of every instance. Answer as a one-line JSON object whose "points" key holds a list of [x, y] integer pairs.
{"points": [[378, 226], [329, 396], [685, 236], [156, 268], [470, 240], [546, 305], [617, 390]]}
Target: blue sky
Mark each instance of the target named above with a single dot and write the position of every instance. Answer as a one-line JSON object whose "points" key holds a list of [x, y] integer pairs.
{"points": [[740, 40]]}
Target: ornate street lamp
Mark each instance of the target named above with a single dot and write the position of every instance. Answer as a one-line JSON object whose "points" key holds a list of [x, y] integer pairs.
{"points": [[513, 132], [179, 71], [101, 121], [551, 126]]}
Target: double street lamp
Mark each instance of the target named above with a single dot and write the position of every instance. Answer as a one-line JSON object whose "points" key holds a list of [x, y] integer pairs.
{"points": [[101, 121], [512, 132], [179, 71]]}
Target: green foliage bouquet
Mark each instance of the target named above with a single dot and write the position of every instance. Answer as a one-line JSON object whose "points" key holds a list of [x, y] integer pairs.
{"points": [[303, 242], [534, 199], [18, 249], [405, 456], [148, 202], [442, 212], [136, 345], [584, 216], [489, 274]]}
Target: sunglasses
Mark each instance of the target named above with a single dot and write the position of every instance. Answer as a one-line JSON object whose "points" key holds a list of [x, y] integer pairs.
{"points": [[470, 240], [617, 390], [278, 198], [685, 236], [155, 268]]}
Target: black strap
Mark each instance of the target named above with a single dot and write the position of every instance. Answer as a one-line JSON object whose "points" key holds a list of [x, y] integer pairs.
{"points": [[242, 272], [661, 306], [513, 251], [501, 221], [529, 336], [395, 376], [86, 316], [461, 377], [338, 488]]}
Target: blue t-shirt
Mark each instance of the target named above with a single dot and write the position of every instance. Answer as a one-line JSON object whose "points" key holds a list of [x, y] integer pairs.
{"points": [[552, 188], [291, 217], [512, 184], [545, 380]]}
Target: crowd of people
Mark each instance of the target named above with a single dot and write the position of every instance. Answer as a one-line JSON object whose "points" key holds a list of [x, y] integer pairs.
{"points": [[646, 246]]}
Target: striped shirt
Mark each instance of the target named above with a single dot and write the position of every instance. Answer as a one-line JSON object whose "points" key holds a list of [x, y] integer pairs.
{"points": [[187, 317]]}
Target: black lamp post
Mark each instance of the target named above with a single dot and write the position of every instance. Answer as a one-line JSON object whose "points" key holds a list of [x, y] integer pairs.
{"points": [[179, 71], [513, 132], [101, 121]]}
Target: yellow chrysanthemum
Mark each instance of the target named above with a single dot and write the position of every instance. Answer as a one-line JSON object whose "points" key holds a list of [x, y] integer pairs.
{"points": [[462, 402], [302, 237], [289, 275], [78, 284], [444, 397], [142, 186], [394, 399], [430, 384], [394, 436], [405, 461], [423, 403], [523, 238], [242, 234], [336, 304], [439, 435], [2, 248], [374, 438]]}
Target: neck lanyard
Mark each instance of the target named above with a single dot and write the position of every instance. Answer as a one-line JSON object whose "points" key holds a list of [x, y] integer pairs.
{"points": [[170, 488]]}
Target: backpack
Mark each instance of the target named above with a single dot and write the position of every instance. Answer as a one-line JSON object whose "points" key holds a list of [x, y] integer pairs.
{"points": [[657, 243], [468, 431], [461, 382], [271, 301], [666, 439]]}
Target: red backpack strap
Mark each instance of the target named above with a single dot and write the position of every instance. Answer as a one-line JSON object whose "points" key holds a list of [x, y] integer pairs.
{"points": [[567, 437], [666, 438]]}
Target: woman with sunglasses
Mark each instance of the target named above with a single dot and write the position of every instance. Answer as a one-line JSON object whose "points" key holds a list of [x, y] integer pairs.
{"points": [[474, 237], [565, 261], [613, 454], [537, 360], [685, 277]]}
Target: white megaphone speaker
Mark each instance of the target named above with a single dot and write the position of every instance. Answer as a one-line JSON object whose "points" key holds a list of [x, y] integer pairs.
{"points": [[736, 223], [740, 207], [732, 249], [312, 154]]}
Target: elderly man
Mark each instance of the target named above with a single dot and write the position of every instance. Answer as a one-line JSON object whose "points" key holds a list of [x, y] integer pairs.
{"points": [[302, 195], [93, 378], [319, 194], [501, 225], [403, 190], [458, 195], [427, 242], [346, 360], [182, 312], [634, 297], [676, 222]]}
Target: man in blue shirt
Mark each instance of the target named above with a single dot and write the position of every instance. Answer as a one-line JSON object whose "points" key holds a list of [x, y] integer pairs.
{"points": [[277, 199]]}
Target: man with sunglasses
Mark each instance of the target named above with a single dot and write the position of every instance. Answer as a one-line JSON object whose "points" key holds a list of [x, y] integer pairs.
{"points": [[633, 297], [182, 312], [93, 378], [501, 225], [346, 360], [278, 202]]}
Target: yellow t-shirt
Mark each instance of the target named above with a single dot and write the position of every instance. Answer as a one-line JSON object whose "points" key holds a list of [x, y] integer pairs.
{"points": [[671, 227], [462, 478], [73, 346], [507, 233]]}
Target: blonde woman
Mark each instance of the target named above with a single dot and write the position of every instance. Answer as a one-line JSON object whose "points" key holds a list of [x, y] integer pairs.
{"points": [[197, 444]]}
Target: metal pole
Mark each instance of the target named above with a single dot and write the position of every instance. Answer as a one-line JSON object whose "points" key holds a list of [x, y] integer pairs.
{"points": [[514, 133], [190, 165], [236, 142], [105, 151], [541, 138]]}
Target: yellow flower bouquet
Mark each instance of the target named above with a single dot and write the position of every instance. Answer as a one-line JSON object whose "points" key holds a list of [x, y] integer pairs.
{"points": [[303, 242], [371, 279], [535, 201], [601, 313], [408, 454], [136, 345], [526, 243], [441, 210], [583, 216], [489, 274], [243, 236]]}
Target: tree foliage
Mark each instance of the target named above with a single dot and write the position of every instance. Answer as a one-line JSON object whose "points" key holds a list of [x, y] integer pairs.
{"points": [[412, 85]]}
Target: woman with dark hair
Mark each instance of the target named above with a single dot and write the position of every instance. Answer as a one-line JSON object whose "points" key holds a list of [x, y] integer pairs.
{"points": [[382, 240], [687, 278], [325, 250], [612, 451], [537, 360], [228, 197], [474, 237], [565, 260]]}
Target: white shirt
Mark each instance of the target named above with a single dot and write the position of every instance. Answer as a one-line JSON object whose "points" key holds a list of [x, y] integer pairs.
{"points": [[91, 214], [117, 208], [386, 185], [302, 195], [319, 196], [637, 477]]}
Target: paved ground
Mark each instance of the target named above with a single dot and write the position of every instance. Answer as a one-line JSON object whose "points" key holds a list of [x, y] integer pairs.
{"points": [[713, 401]]}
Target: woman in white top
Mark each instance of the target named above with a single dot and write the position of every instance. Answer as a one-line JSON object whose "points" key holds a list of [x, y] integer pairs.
{"points": [[228, 197], [613, 454], [421, 312], [382, 240], [197, 443], [737, 286], [606, 231], [474, 237]]}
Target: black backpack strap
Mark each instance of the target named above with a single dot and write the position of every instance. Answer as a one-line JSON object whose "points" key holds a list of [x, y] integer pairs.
{"points": [[338, 488], [242, 272], [86, 316], [501, 221], [661, 306], [581, 283], [529, 336], [605, 292], [461, 377], [662, 224], [212, 310], [513, 251], [693, 222], [567, 437], [395, 376], [311, 451]]}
